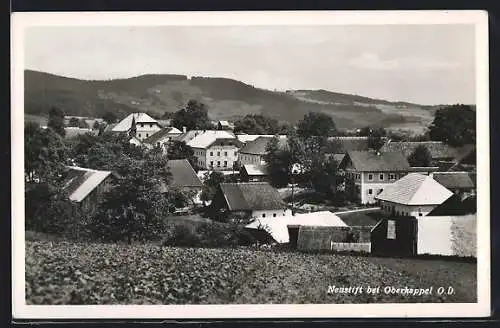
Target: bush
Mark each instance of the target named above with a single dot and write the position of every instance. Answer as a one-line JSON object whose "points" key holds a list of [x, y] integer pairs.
{"points": [[208, 235]]}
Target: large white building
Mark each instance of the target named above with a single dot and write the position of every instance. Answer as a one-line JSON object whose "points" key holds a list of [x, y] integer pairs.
{"points": [[145, 125], [413, 195], [215, 150]]}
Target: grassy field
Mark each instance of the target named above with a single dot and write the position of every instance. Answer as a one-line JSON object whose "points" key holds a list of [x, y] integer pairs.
{"points": [[59, 272]]}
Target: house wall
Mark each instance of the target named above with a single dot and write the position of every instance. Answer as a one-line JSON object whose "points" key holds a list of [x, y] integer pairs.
{"points": [[403, 241], [217, 156], [369, 184], [271, 213], [145, 130], [405, 210], [447, 235], [311, 238], [249, 158]]}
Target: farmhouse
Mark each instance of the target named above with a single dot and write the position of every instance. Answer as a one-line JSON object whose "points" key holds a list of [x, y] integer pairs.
{"points": [[461, 183], [145, 125], [368, 173], [279, 227], [253, 172], [413, 195], [184, 178], [85, 187], [162, 137], [215, 150], [248, 200], [254, 150]]}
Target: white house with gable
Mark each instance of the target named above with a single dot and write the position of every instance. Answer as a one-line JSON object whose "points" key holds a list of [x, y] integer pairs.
{"points": [[145, 125], [215, 149]]}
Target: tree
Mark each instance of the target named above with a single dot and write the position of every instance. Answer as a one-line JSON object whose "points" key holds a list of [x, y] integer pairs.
{"points": [[211, 183], [256, 124], [110, 117], [134, 207], [179, 150], [454, 125], [376, 138], [421, 157], [193, 116], [73, 122], [56, 121], [316, 125], [167, 115], [279, 163], [96, 125]]}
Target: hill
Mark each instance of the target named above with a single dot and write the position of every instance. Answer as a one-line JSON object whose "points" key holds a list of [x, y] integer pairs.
{"points": [[226, 99]]}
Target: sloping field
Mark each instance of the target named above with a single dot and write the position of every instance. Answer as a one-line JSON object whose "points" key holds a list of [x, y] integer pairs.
{"points": [[77, 273]]}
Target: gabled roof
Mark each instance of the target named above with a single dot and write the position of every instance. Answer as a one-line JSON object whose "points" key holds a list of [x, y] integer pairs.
{"points": [[183, 174], [278, 226], [455, 205], [208, 137], [454, 180], [415, 189], [250, 137], [244, 196], [126, 123], [437, 149], [80, 182], [371, 161], [256, 147], [255, 169], [168, 131]]}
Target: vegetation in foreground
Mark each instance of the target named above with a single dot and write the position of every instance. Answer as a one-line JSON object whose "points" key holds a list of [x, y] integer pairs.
{"points": [[60, 272]]}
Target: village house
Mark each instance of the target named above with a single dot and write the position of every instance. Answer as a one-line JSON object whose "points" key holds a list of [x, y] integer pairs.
{"points": [[253, 172], [248, 200], [85, 187], [144, 125], [461, 183], [413, 195], [162, 137], [368, 173], [215, 150], [184, 178], [254, 150]]}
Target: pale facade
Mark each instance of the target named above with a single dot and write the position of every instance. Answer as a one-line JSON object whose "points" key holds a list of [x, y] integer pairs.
{"points": [[395, 209], [217, 157], [250, 159], [271, 213], [369, 184], [145, 130]]}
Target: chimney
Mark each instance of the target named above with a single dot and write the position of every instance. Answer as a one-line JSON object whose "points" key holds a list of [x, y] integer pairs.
{"points": [[183, 129]]}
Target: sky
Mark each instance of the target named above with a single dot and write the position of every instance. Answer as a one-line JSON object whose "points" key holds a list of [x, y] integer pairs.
{"points": [[425, 64]]}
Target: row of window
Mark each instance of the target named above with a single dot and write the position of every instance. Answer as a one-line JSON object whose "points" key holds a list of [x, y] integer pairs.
{"points": [[218, 153], [370, 191], [397, 213], [142, 125], [381, 176], [140, 135], [218, 164], [274, 215]]}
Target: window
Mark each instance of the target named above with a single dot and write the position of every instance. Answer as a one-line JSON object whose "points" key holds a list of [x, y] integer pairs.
{"points": [[225, 163], [211, 153], [142, 125], [380, 190], [225, 153], [151, 125], [211, 163], [391, 229], [218, 163], [381, 176], [139, 135], [370, 176], [274, 215], [392, 176], [147, 135], [419, 213], [370, 191], [218, 153], [263, 215], [234, 153]]}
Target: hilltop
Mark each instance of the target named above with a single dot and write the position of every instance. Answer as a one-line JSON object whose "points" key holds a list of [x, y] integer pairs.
{"points": [[226, 99]]}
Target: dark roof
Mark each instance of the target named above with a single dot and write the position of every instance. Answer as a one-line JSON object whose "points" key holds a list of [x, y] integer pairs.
{"points": [[371, 161], [366, 218], [455, 206], [345, 144], [183, 174], [245, 196], [455, 180], [437, 149], [152, 139], [226, 142], [257, 146]]}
